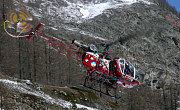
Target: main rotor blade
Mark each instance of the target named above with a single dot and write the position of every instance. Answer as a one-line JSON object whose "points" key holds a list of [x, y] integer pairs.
{"points": [[12, 17], [122, 40], [23, 27], [25, 16]]}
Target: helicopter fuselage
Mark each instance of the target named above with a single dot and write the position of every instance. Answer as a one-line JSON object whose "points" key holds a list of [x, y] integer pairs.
{"points": [[111, 69]]}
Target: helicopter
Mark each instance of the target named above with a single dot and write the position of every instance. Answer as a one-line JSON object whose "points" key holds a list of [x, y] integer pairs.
{"points": [[99, 65], [115, 71]]}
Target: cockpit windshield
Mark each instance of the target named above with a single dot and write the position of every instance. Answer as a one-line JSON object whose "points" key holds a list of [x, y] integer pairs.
{"points": [[93, 47], [128, 69], [122, 65]]}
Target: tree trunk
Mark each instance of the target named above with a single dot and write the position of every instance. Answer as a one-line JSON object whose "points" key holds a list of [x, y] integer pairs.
{"points": [[170, 89], [46, 61], [20, 67], [164, 98], [1, 102], [3, 12], [69, 70], [34, 60], [49, 63]]}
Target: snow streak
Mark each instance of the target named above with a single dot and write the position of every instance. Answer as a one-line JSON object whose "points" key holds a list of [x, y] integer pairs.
{"points": [[74, 11], [24, 88], [77, 11]]}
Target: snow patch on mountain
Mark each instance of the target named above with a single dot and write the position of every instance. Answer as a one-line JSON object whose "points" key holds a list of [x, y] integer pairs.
{"points": [[76, 11], [25, 1], [67, 11], [84, 12], [24, 88], [91, 10]]}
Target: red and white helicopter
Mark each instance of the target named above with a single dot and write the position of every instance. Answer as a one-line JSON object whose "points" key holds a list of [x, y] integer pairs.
{"points": [[115, 71], [100, 67]]}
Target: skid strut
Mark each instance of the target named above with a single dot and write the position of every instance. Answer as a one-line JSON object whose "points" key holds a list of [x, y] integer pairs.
{"points": [[99, 80]]}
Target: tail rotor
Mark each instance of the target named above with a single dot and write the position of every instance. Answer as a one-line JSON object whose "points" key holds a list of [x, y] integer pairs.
{"points": [[19, 20]]}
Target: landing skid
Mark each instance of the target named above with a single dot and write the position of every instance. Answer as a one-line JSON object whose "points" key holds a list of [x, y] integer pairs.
{"points": [[99, 91], [97, 81]]}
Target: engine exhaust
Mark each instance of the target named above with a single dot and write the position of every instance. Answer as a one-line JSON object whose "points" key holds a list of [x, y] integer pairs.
{"points": [[76, 42]]}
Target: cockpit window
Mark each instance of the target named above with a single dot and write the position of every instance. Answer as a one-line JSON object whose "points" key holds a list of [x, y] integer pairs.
{"points": [[122, 68], [121, 62], [129, 69], [93, 47]]}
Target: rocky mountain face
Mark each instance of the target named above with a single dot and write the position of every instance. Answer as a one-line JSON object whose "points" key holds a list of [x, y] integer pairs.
{"points": [[140, 28], [149, 35]]}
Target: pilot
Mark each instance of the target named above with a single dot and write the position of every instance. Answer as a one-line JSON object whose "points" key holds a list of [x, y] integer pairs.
{"points": [[127, 70]]}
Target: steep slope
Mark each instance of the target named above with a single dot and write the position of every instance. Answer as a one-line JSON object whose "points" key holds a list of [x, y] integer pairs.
{"points": [[23, 94], [154, 37]]}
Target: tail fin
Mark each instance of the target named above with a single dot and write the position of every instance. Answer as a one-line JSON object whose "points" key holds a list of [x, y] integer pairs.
{"points": [[37, 28]]}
